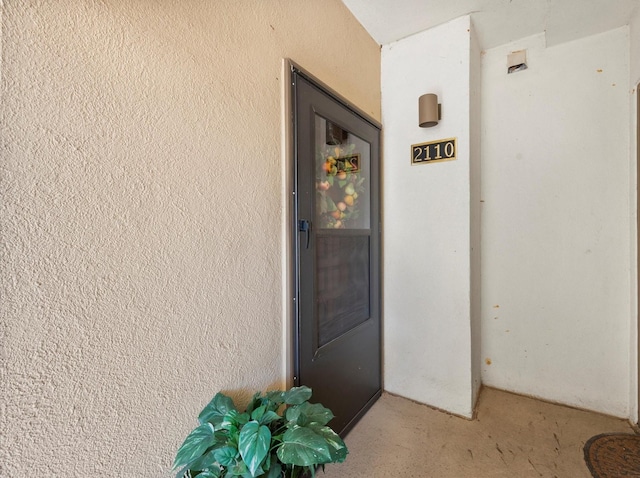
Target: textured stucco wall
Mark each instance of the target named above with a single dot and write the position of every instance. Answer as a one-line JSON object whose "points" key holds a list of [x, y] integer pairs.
{"points": [[141, 216]]}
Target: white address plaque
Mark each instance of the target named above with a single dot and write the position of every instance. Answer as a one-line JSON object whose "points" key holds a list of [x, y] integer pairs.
{"points": [[434, 151]]}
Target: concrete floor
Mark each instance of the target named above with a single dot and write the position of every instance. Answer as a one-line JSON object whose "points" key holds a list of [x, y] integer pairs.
{"points": [[512, 436]]}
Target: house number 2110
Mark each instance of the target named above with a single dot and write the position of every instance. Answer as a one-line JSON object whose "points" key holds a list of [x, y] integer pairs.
{"points": [[433, 151]]}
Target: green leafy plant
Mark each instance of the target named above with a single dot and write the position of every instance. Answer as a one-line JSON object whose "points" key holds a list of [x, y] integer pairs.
{"points": [[280, 434]]}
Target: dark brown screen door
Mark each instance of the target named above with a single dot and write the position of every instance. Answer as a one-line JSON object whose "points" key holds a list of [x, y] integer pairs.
{"points": [[337, 230]]}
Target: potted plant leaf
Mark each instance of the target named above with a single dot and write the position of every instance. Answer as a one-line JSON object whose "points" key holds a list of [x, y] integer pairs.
{"points": [[279, 435]]}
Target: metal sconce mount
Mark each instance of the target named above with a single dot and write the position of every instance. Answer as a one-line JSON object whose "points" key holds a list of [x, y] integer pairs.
{"points": [[429, 110]]}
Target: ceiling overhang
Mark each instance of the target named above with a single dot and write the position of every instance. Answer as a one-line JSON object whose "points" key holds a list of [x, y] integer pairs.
{"points": [[496, 22]]}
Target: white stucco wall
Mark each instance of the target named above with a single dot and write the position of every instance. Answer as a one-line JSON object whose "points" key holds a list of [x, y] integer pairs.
{"points": [[141, 216], [634, 68], [634, 33], [475, 161], [427, 232], [556, 222]]}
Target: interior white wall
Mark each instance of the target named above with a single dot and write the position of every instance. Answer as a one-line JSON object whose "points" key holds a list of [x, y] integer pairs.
{"points": [[427, 230], [141, 236], [556, 221]]}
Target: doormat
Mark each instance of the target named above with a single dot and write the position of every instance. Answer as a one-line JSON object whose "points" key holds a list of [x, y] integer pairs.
{"points": [[613, 455]]}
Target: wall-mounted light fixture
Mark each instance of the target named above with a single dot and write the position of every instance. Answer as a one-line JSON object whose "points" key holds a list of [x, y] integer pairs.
{"points": [[428, 110]]}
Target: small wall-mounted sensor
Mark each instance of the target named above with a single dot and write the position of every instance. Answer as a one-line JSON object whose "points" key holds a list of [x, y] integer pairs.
{"points": [[517, 61]]}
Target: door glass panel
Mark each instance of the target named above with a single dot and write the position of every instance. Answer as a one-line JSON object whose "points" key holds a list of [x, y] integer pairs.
{"points": [[343, 171], [343, 284]]}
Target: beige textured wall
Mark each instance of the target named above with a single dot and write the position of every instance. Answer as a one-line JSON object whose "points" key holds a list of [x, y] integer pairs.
{"points": [[141, 216]]}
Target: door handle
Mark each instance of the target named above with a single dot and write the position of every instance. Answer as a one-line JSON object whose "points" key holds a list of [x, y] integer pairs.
{"points": [[305, 226]]}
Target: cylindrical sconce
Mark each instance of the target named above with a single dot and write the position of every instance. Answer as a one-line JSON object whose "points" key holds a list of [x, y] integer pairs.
{"points": [[428, 110]]}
